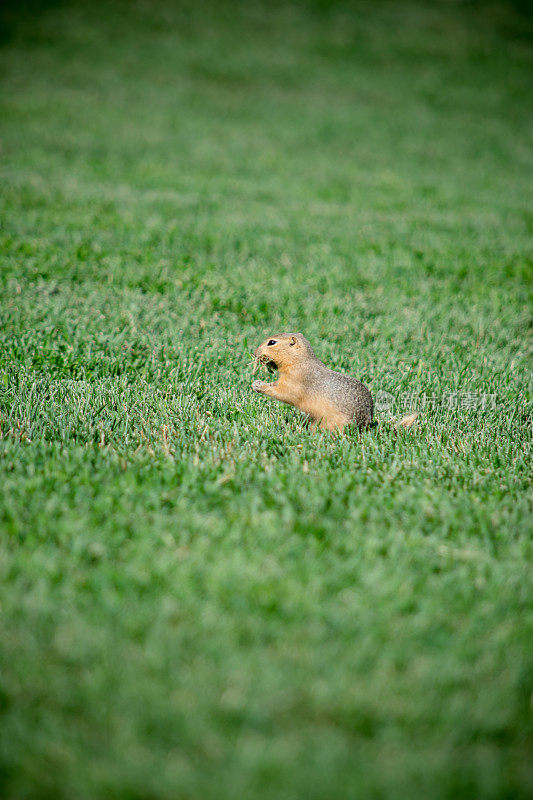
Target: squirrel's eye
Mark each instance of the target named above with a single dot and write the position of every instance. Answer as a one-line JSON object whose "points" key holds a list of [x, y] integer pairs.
{"points": [[271, 342]]}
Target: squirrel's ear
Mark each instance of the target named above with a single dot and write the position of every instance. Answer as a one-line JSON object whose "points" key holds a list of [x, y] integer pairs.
{"points": [[292, 340]]}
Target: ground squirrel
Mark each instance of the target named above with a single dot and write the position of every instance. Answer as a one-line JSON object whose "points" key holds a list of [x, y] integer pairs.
{"points": [[331, 400]]}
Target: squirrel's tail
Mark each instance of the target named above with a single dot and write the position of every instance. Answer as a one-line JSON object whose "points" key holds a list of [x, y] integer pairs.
{"points": [[406, 422]]}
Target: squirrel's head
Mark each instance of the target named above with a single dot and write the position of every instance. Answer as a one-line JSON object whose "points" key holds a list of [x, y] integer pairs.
{"points": [[283, 351]]}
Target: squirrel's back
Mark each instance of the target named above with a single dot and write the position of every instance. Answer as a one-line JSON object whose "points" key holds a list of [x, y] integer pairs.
{"points": [[350, 397]]}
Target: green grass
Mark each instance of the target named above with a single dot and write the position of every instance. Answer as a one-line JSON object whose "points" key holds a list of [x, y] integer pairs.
{"points": [[200, 598]]}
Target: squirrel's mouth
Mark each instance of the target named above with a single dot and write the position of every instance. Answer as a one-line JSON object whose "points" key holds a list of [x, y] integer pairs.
{"points": [[265, 361]]}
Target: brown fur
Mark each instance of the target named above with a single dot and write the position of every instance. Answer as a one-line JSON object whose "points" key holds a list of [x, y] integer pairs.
{"points": [[325, 414]]}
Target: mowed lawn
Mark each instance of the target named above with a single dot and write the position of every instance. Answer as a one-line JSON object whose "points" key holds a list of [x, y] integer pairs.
{"points": [[199, 597]]}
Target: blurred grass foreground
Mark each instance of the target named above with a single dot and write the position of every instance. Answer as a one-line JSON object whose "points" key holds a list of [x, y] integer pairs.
{"points": [[200, 598]]}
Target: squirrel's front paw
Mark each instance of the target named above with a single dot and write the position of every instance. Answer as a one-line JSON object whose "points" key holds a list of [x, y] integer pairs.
{"points": [[258, 386]]}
